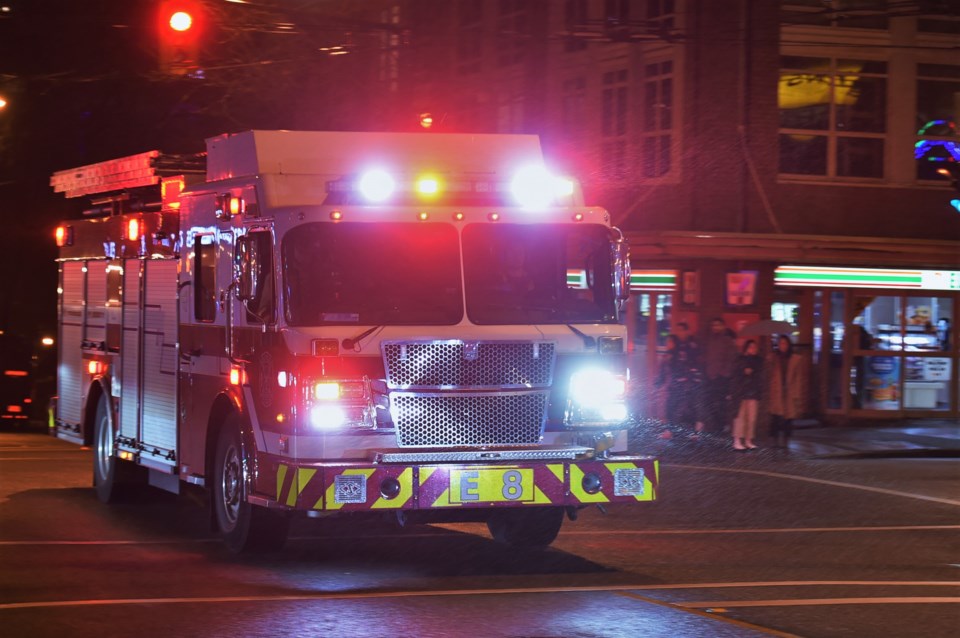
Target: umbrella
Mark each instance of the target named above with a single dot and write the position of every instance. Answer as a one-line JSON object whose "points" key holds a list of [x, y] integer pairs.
{"points": [[768, 327]]}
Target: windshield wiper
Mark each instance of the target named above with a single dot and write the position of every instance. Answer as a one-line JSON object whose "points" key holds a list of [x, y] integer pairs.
{"points": [[351, 343], [588, 341]]}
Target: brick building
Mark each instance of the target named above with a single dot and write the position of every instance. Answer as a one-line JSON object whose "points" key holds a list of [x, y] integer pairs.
{"points": [[765, 159]]}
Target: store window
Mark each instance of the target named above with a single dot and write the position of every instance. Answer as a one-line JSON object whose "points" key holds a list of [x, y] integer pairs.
{"points": [[832, 117], [899, 347]]}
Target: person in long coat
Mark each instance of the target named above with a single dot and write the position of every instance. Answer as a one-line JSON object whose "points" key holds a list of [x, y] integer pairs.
{"points": [[788, 391]]}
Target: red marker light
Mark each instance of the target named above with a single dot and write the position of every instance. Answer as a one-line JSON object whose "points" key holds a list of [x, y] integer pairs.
{"points": [[133, 229], [458, 217], [336, 215], [181, 21], [423, 216], [494, 217]]}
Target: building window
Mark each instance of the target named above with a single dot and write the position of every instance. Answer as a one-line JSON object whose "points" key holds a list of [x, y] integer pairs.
{"points": [[510, 114], [575, 19], [661, 14], [657, 118], [573, 114], [938, 94], [938, 16], [832, 117], [470, 38], [512, 32], [851, 14], [613, 122]]}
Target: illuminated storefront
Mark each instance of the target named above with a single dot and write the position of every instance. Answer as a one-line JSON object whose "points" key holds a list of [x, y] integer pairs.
{"points": [[883, 338], [879, 340]]}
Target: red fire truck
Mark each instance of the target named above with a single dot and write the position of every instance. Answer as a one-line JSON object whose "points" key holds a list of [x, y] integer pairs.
{"points": [[418, 325]]}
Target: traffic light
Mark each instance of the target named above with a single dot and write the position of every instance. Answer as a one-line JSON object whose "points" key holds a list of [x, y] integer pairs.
{"points": [[179, 25]]}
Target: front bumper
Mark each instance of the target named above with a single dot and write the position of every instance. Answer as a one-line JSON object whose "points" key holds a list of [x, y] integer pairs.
{"points": [[366, 486]]}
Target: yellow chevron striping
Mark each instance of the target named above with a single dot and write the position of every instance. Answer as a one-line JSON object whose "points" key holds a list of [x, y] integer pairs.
{"points": [[406, 492], [281, 474], [576, 488]]}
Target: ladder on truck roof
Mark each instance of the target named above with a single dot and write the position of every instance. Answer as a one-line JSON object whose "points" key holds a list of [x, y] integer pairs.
{"points": [[133, 171]]}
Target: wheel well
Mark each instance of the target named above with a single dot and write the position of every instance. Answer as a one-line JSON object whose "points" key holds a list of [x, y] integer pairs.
{"points": [[222, 407], [90, 411]]}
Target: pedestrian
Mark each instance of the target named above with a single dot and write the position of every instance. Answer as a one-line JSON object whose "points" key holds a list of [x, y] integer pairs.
{"points": [[689, 353], [681, 379], [787, 391], [748, 387], [720, 352]]}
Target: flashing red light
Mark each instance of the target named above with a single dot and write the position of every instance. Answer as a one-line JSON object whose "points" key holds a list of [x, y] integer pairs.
{"points": [[237, 376], [336, 215], [180, 21], [494, 217], [578, 217], [133, 229], [64, 236], [423, 216], [426, 120], [458, 217], [95, 367]]}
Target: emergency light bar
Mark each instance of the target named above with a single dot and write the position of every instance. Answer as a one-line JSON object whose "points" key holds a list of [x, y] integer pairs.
{"points": [[532, 187]]}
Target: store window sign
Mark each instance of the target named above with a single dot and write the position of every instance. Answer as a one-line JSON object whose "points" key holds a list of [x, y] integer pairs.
{"points": [[741, 287], [882, 383], [936, 369], [833, 277]]}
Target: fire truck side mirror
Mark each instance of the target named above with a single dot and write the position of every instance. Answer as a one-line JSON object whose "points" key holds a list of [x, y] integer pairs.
{"points": [[245, 272], [620, 264]]}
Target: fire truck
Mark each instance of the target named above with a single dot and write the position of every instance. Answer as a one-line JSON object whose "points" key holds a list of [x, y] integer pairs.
{"points": [[419, 326]]}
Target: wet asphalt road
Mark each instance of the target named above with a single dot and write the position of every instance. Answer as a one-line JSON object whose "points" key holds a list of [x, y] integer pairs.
{"points": [[759, 544]]}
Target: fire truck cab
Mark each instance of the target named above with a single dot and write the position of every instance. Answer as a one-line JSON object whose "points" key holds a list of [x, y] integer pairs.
{"points": [[323, 323]]}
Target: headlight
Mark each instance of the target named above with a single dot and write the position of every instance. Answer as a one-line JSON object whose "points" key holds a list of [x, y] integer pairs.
{"points": [[334, 405], [596, 399]]}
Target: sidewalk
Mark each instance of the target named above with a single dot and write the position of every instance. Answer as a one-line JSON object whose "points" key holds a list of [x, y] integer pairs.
{"points": [[812, 439]]}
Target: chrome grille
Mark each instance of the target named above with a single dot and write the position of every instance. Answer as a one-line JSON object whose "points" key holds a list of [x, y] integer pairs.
{"points": [[468, 364], [449, 420]]}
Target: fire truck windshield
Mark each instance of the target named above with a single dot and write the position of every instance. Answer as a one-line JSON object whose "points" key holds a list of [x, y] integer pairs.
{"points": [[538, 273], [372, 274]]}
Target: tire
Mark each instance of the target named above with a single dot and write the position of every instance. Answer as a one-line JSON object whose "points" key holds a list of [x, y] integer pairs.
{"points": [[529, 528], [245, 528], [114, 480]]}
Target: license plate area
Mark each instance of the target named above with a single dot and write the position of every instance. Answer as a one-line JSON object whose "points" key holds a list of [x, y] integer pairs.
{"points": [[501, 484]]}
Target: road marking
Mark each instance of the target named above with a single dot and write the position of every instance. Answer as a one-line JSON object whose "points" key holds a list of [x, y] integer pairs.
{"points": [[761, 530], [865, 488], [615, 532], [811, 602], [486, 592], [712, 616]]}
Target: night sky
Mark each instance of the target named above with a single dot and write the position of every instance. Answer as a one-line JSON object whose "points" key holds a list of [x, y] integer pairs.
{"points": [[83, 84]]}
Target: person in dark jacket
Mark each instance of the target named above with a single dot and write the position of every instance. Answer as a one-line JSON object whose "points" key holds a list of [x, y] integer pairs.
{"points": [[680, 375], [719, 353], [748, 388]]}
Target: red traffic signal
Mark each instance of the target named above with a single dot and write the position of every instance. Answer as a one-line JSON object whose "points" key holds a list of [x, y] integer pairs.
{"points": [[178, 35]]}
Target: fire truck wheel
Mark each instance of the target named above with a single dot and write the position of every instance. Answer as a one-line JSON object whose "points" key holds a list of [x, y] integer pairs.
{"points": [[536, 527], [245, 528], [113, 479]]}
